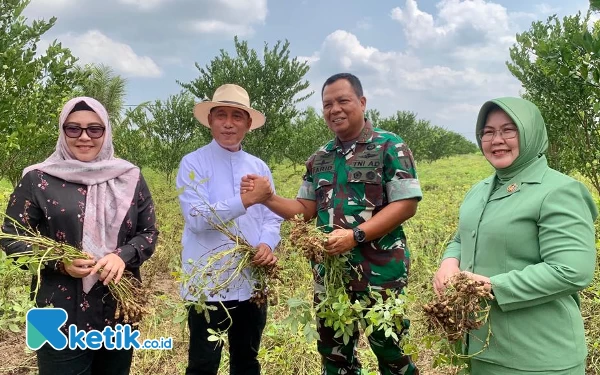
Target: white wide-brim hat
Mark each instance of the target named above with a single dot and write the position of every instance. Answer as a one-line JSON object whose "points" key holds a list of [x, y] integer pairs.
{"points": [[229, 95]]}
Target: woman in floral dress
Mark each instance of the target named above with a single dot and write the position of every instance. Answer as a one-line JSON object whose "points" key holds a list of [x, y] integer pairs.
{"points": [[84, 196]]}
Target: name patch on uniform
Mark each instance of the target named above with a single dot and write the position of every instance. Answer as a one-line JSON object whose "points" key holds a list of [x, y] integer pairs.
{"points": [[323, 163]]}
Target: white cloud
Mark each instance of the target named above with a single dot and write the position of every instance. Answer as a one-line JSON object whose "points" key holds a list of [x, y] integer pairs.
{"points": [[219, 27], [95, 47], [145, 5], [230, 17], [53, 3], [472, 22], [47, 8], [418, 26], [546, 9], [310, 59], [447, 92], [144, 20], [255, 10], [343, 48]]}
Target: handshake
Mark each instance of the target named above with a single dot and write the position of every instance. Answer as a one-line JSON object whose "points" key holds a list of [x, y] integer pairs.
{"points": [[255, 189]]}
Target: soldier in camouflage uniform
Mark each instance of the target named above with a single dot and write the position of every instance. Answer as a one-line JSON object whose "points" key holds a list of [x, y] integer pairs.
{"points": [[361, 186]]}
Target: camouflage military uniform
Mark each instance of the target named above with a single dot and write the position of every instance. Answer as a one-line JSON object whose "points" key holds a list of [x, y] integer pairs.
{"points": [[349, 188]]}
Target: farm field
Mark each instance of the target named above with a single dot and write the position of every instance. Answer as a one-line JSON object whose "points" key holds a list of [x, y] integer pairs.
{"points": [[283, 351]]}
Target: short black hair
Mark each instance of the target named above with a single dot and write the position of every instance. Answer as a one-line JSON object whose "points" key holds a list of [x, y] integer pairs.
{"points": [[354, 82], [81, 106]]}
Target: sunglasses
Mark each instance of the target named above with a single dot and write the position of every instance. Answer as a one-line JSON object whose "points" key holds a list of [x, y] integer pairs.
{"points": [[75, 131]]}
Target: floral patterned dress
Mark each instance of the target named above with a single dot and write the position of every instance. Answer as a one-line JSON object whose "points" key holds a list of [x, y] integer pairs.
{"points": [[56, 208]]}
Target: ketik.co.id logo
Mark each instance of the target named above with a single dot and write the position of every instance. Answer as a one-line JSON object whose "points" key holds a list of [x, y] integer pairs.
{"points": [[43, 326]]}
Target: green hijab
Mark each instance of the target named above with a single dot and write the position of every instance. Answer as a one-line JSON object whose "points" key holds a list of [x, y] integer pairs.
{"points": [[533, 139]]}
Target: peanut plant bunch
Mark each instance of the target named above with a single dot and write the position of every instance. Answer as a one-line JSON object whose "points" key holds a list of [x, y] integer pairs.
{"points": [[225, 266], [372, 311], [131, 299], [462, 307]]}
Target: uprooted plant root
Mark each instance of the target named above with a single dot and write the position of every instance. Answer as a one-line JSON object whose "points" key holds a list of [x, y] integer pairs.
{"points": [[308, 239], [463, 307]]}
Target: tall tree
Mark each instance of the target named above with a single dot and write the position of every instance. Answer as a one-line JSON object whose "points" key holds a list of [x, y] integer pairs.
{"points": [[130, 141], [33, 87], [104, 85], [170, 131], [308, 132], [558, 66], [275, 84]]}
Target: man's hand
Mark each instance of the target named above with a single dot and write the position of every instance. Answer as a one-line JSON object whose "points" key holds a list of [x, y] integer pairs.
{"points": [[79, 268], [340, 241], [246, 185], [255, 189], [264, 255], [448, 268], [112, 268]]}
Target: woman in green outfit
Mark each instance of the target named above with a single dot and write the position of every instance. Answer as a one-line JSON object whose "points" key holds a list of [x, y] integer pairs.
{"points": [[527, 231]]}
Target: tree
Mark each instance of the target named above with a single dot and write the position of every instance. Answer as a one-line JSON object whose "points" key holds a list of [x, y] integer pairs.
{"points": [[171, 131], [558, 66], [105, 86], [308, 132], [427, 142], [275, 85], [595, 5], [33, 87], [130, 142], [374, 117]]}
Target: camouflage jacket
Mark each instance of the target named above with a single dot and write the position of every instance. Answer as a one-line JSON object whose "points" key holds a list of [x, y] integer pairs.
{"points": [[349, 188]]}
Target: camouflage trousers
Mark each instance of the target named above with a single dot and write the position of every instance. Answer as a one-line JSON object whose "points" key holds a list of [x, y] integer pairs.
{"points": [[341, 359]]}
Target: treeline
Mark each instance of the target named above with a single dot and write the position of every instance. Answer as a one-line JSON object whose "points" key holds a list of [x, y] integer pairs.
{"points": [[34, 85]]}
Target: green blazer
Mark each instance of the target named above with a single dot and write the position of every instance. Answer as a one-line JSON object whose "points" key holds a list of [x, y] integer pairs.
{"points": [[534, 238]]}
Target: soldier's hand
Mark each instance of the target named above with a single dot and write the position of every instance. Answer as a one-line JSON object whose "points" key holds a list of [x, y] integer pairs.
{"points": [[258, 191], [340, 241]]}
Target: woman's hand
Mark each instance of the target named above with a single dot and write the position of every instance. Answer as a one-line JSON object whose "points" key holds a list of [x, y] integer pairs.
{"points": [[112, 268], [486, 280], [79, 268], [448, 268]]}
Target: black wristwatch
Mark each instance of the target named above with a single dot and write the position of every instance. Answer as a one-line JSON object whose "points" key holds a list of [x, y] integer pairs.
{"points": [[359, 235]]}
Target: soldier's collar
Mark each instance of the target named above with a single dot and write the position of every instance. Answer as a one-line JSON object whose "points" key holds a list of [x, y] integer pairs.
{"points": [[366, 136]]}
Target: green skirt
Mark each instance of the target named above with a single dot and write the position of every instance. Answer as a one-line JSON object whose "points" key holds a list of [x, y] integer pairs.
{"points": [[486, 368]]}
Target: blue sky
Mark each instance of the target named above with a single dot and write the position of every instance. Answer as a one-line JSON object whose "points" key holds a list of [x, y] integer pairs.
{"points": [[440, 59]]}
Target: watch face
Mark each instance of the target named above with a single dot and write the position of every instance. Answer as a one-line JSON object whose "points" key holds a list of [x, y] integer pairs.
{"points": [[359, 235]]}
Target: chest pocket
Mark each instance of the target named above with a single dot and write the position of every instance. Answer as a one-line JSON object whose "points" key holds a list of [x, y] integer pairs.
{"points": [[324, 190], [365, 187], [323, 180]]}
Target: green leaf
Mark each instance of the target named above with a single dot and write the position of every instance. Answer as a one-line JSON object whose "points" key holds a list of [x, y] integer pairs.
{"points": [[14, 328], [583, 71], [596, 76], [564, 70], [346, 339]]}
